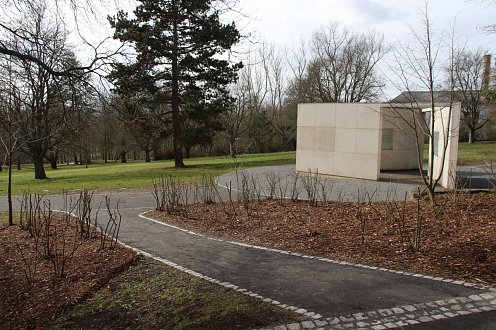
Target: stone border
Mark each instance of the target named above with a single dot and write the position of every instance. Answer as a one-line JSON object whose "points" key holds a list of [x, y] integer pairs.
{"points": [[377, 320], [402, 316], [227, 285], [337, 262]]}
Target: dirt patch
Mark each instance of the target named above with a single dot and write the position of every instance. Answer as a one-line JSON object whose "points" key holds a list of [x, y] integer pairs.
{"points": [[32, 291], [457, 237]]}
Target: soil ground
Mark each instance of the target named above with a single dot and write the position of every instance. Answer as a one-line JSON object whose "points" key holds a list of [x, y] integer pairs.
{"points": [[110, 288], [32, 293], [457, 236]]}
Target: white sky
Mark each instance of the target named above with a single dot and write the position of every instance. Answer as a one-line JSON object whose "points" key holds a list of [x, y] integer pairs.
{"points": [[285, 22]]}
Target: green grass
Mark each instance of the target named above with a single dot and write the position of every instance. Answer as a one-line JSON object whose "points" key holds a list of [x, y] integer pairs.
{"points": [[133, 174], [472, 153], [140, 174], [480, 152], [151, 295]]}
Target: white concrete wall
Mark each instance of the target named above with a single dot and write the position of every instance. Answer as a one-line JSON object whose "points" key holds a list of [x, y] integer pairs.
{"points": [[339, 139], [404, 152], [346, 140], [450, 134]]}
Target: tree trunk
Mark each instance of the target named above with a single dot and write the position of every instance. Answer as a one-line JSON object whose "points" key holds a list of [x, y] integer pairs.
{"points": [[147, 156], [53, 162], [232, 148], [471, 135], [76, 159], [176, 124], [9, 191], [123, 157], [52, 158], [39, 169], [18, 162], [187, 152], [105, 156], [88, 158], [9, 187]]}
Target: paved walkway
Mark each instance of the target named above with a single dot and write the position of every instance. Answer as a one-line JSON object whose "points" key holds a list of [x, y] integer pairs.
{"points": [[331, 294], [282, 181]]}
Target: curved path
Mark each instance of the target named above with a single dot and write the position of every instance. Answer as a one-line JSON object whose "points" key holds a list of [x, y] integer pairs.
{"points": [[282, 181], [332, 294]]}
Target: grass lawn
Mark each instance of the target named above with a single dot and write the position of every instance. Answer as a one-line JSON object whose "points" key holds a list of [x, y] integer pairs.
{"points": [[140, 174], [133, 174], [471, 153], [151, 295]]}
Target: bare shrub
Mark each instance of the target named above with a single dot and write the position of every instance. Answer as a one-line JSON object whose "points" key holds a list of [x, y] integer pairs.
{"points": [[231, 209], [110, 234], [272, 181], [294, 187], [30, 264], [245, 194], [490, 170], [209, 189], [167, 193], [87, 226], [360, 216], [311, 185], [58, 235], [30, 213]]}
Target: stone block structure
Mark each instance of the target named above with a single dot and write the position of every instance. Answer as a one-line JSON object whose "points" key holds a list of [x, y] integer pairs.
{"points": [[359, 140]]}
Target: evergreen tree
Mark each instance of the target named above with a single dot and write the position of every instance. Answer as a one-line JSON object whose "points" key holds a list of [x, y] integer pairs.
{"points": [[177, 44], [201, 118]]}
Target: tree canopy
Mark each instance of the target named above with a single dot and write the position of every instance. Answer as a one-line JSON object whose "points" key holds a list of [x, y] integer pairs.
{"points": [[178, 45]]}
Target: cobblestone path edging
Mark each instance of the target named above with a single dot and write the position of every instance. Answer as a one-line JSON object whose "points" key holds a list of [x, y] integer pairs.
{"points": [[344, 263], [377, 320], [402, 316]]}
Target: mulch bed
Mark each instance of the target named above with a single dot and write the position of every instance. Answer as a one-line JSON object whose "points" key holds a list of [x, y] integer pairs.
{"points": [[30, 304], [458, 237]]}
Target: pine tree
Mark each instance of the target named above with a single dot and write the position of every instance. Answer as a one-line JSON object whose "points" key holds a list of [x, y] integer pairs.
{"points": [[178, 43]]}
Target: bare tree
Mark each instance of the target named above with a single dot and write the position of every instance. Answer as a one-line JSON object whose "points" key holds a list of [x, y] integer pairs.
{"points": [[250, 93], [468, 79], [298, 63], [419, 65], [343, 64], [236, 116], [491, 28], [80, 16], [11, 140], [277, 86], [49, 101]]}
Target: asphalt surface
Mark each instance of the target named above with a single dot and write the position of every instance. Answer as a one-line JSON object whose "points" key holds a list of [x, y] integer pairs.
{"points": [[327, 288], [282, 181]]}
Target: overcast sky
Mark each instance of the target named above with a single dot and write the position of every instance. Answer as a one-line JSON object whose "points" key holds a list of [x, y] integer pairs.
{"points": [[285, 22]]}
